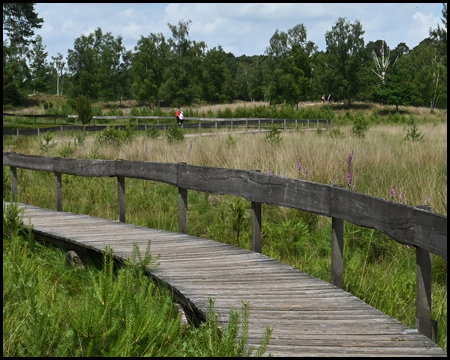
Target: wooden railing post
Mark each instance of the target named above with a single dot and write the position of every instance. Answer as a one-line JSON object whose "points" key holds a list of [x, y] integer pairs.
{"points": [[14, 183], [256, 226], [424, 324], [337, 251], [58, 184], [121, 197], [182, 209]]}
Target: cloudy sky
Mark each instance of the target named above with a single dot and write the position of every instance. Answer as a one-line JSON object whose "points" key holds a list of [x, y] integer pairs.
{"points": [[242, 29]]}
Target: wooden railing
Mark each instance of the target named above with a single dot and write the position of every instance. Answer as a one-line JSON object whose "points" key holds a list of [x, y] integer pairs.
{"points": [[413, 226], [189, 123]]}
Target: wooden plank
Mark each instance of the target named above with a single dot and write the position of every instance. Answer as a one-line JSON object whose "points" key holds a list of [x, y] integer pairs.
{"points": [[310, 317]]}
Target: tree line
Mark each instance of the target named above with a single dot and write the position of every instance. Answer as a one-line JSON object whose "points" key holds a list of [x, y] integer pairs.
{"points": [[177, 71]]}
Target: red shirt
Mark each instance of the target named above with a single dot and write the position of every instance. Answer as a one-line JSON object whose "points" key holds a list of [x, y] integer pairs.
{"points": [[178, 113]]}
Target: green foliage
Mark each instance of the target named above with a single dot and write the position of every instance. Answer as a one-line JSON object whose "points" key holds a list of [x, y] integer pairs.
{"points": [[336, 133], [209, 340], [140, 263], [12, 221], [67, 151], [360, 125], [174, 134], [288, 238], [274, 135], [47, 105], [373, 245], [6, 184], [239, 217], [227, 113], [413, 132], [47, 145], [343, 62], [113, 136], [152, 132], [231, 141], [84, 109]]}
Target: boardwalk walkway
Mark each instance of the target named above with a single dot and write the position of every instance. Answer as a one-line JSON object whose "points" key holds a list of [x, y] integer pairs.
{"points": [[310, 317]]}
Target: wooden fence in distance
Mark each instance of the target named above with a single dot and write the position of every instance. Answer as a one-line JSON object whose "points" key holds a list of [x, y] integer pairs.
{"points": [[189, 123], [413, 226]]}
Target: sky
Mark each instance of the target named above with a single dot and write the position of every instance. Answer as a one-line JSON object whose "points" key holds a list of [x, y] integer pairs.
{"points": [[241, 29]]}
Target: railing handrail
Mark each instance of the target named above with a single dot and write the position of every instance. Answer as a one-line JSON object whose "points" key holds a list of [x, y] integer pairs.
{"points": [[405, 224], [114, 117], [216, 121]]}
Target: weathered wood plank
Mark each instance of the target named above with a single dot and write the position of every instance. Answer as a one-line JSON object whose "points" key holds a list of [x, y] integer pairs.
{"points": [[310, 317]]}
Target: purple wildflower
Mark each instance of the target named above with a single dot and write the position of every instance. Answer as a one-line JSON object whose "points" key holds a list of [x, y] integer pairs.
{"points": [[392, 191], [350, 158], [269, 171], [190, 146], [306, 173], [349, 178], [299, 167], [400, 197]]}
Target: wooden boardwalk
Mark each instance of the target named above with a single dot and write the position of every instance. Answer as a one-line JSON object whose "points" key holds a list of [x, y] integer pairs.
{"points": [[310, 317]]}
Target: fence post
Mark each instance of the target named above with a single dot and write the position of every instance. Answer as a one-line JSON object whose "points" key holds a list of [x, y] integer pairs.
{"points": [[182, 207], [121, 197], [58, 183], [337, 250], [424, 324], [14, 183], [256, 225]]}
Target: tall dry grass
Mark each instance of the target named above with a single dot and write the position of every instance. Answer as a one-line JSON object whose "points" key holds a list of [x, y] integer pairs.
{"points": [[417, 169]]}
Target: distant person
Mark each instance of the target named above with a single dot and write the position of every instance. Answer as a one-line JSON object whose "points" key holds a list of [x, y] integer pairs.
{"points": [[177, 115], [323, 99], [181, 117]]}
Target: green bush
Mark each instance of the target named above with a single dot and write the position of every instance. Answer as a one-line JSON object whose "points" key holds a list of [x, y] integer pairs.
{"points": [[152, 132], [113, 136], [360, 125], [274, 135], [174, 134], [84, 109]]}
